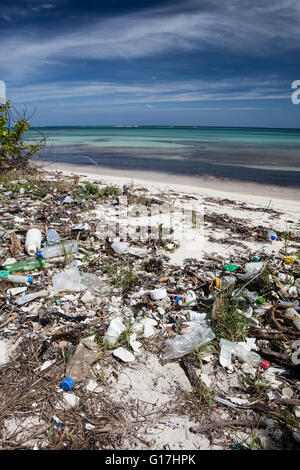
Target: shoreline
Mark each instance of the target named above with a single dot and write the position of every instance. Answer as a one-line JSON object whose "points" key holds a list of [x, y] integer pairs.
{"points": [[253, 193]]}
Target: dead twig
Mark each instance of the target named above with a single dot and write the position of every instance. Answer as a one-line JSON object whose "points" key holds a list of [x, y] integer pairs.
{"points": [[224, 424]]}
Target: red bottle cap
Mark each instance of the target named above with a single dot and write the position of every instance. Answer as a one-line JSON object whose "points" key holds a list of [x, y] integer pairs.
{"points": [[265, 365]]}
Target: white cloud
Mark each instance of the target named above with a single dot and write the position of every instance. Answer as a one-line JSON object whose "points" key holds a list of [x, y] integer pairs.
{"points": [[102, 93], [264, 28]]}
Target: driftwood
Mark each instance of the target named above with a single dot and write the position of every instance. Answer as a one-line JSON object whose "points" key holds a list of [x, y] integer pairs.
{"points": [[272, 334], [190, 371], [287, 401], [15, 244], [282, 359], [223, 424]]}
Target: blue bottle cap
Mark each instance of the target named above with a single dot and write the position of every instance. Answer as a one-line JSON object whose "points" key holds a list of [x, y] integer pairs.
{"points": [[39, 254], [30, 280], [67, 383]]}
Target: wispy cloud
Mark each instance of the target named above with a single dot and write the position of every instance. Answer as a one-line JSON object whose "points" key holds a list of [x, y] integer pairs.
{"points": [[100, 93], [263, 29]]}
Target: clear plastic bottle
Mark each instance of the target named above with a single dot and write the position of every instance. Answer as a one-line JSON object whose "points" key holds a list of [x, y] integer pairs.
{"points": [[52, 237], [120, 247], [185, 344], [250, 357], [23, 266], [79, 367], [15, 278], [29, 297], [272, 236], [58, 250]]}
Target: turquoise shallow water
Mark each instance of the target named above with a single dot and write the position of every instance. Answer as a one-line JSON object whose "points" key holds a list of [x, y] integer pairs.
{"points": [[251, 154]]}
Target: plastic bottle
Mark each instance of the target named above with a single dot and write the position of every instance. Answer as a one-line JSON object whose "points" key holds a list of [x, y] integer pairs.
{"points": [[185, 344], [15, 278], [120, 247], [78, 368], [250, 357], [33, 241], [58, 250], [52, 237], [23, 266], [29, 297], [272, 236]]}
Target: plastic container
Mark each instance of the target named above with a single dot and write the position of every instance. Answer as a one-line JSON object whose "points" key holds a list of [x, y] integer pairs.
{"points": [[58, 250], [79, 367], [185, 344], [250, 357], [29, 297], [15, 278], [272, 236], [120, 247], [52, 237], [23, 266], [33, 241]]}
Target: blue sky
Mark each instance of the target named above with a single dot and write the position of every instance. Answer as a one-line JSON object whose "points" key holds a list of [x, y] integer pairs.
{"points": [[118, 62]]}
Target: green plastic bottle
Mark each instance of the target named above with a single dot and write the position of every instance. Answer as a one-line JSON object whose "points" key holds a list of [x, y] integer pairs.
{"points": [[23, 266]]}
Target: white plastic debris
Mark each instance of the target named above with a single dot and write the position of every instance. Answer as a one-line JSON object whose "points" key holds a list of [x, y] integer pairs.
{"points": [[47, 364], [69, 401], [68, 280], [161, 310], [120, 247], [16, 290], [136, 345], [252, 269], [68, 200], [88, 298], [124, 355], [158, 294], [93, 386], [196, 316], [114, 330], [29, 297], [190, 297]]}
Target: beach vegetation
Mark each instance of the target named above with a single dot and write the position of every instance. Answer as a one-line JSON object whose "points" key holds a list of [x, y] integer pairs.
{"points": [[255, 386], [228, 321], [121, 274], [14, 151]]}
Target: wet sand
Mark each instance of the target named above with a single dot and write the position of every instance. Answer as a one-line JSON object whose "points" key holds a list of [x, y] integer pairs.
{"points": [[260, 194]]}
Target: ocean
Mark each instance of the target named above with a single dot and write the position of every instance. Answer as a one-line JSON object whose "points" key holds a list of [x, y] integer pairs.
{"points": [[261, 155]]}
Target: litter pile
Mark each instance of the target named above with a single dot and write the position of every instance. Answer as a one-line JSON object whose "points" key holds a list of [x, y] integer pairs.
{"points": [[110, 339]]}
